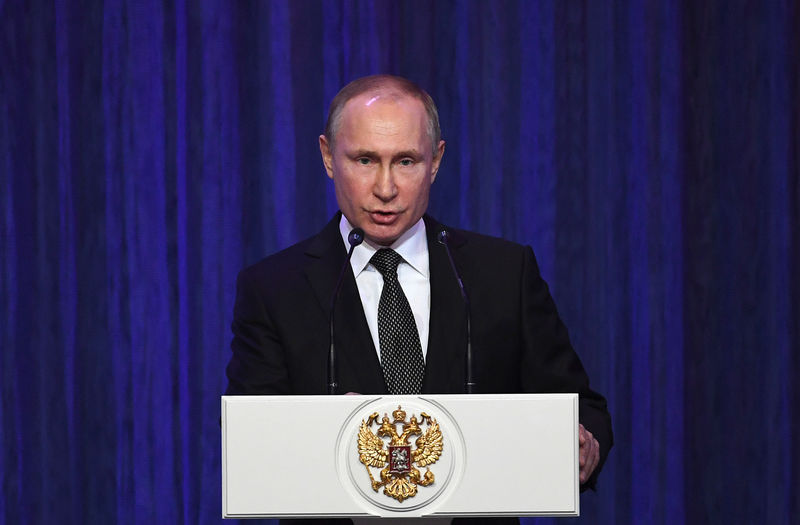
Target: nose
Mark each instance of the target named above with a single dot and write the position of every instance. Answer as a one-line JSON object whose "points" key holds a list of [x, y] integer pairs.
{"points": [[385, 188]]}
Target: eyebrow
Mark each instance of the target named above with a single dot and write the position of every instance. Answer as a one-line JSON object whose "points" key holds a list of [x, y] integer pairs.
{"points": [[409, 153], [369, 153], [360, 153]]}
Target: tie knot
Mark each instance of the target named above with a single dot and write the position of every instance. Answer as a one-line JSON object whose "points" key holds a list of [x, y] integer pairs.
{"points": [[385, 261]]}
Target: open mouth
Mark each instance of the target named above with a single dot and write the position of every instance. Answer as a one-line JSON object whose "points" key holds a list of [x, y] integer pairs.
{"points": [[383, 217]]}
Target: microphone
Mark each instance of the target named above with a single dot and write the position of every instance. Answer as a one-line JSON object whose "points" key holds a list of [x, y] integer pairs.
{"points": [[469, 384], [355, 238]]}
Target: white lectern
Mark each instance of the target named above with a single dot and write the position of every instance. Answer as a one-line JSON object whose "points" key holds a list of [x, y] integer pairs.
{"points": [[400, 456]]}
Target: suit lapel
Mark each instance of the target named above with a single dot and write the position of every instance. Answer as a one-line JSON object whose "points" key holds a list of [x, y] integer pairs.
{"points": [[444, 366], [357, 359]]}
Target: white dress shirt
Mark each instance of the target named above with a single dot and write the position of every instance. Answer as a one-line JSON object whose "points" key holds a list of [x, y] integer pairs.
{"points": [[413, 274]]}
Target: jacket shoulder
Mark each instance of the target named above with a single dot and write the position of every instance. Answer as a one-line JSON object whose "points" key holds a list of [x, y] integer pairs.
{"points": [[282, 266], [480, 245]]}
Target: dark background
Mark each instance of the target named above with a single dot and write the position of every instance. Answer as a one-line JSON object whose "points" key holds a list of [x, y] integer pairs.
{"points": [[149, 149]]}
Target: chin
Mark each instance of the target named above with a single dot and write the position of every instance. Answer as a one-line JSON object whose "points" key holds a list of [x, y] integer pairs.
{"points": [[381, 236], [380, 241]]}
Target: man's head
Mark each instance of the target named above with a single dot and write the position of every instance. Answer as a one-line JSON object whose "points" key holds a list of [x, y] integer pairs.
{"points": [[382, 148]]}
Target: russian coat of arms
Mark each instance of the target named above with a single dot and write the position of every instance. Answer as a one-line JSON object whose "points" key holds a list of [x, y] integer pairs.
{"points": [[399, 463]]}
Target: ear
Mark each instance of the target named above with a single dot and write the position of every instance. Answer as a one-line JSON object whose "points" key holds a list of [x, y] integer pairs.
{"points": [[437, 160], [327, 155]]}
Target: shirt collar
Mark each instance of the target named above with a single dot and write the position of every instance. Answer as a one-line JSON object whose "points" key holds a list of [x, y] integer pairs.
{"points": [[412, 247]]}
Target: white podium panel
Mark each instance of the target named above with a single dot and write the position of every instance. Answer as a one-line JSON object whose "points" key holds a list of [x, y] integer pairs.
{"points": [[501, 455]]}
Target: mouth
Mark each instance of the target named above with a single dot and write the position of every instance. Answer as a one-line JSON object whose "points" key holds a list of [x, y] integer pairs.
{"points": [[383, 217]]}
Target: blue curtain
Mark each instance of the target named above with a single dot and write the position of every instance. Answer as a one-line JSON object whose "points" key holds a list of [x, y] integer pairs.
{"points": [[149, 149]]}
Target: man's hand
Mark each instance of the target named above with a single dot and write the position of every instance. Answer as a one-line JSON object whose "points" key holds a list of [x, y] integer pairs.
{"points": [[589, 453]]}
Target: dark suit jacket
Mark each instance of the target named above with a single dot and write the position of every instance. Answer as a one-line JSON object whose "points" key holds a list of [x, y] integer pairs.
{"points": [[281, 333]]}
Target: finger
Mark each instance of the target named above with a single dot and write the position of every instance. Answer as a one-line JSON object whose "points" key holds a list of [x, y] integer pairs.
{"points": [[588, 465], [593, 459], [596, 455], [583, 454], [589, 455]]}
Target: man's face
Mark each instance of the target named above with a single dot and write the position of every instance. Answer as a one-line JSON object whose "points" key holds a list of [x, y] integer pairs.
{"points": [[382, 164]]}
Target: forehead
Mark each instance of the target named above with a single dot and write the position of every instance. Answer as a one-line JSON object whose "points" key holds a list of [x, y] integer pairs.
{"points": [[381, 117]]}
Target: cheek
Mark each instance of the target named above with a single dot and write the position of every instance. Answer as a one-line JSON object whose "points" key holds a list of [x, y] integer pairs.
{"points": [[419, 194], [351, 188]]}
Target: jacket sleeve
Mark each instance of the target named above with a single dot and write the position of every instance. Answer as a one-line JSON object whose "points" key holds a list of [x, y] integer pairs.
{"points": [[258, 364], [550, 364]]}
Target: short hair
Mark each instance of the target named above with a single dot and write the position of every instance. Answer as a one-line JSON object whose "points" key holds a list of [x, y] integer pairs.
{"points": [[382, 84]]}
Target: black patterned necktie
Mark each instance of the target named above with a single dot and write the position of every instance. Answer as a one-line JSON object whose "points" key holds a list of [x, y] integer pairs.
{"points": [[401, 352]]}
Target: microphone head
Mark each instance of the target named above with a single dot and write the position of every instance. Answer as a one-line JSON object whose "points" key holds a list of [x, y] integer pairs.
{"points": [[443, 236], [356, 237]]}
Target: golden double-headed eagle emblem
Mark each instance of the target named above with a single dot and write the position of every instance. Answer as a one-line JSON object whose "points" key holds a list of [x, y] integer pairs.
{"points": [[399, 464]]}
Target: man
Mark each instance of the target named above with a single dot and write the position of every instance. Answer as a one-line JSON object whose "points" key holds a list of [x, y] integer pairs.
{"points": [[400, 320]]}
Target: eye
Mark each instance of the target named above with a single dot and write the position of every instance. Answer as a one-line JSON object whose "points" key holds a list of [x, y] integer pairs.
{"points": [[364, 161], [407, 162]]}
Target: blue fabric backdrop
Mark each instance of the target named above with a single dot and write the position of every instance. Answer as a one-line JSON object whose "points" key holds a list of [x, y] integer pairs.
{"points": [[149, 149]]}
